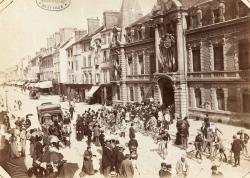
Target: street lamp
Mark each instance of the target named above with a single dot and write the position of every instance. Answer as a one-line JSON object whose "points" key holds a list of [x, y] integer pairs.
{"points": [[6, 99]]}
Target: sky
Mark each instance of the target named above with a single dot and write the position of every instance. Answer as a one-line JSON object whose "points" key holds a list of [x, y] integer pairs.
{"points": [[24, 26]]}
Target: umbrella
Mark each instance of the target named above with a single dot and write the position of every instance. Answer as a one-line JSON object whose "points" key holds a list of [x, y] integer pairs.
{"points": [[51, 156], [54, 139], [68, 170]]}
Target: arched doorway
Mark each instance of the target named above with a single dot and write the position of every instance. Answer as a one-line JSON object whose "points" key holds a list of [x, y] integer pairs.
{"points": [[167, 91]]}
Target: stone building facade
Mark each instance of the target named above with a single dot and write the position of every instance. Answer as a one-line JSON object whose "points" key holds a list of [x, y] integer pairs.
{"points": [[193, 55]]}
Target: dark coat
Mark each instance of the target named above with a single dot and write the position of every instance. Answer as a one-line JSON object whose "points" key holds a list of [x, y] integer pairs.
{"points": [[107, 157], [236, 146], [131, 132]]}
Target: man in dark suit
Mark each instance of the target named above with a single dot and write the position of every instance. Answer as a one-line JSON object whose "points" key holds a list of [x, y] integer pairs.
{"points": [[132, 131], [107, 158], [236, 149]]}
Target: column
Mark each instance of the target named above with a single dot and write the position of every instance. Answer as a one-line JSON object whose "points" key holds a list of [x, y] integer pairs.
{"points": [[211, 53], [157, 50], [181, 89], [123, 87]]}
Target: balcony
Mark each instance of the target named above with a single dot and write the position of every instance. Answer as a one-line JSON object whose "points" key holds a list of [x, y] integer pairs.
{"points": [[142, 77], [236, 74]]}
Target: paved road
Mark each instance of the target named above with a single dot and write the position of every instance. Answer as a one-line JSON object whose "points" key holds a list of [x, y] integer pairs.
{"points": [[149, 160]]}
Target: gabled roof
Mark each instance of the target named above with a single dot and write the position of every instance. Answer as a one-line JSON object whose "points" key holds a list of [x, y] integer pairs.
{"points": [[89, 36], [142, 19]]}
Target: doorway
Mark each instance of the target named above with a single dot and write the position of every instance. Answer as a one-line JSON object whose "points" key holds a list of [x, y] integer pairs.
{"points": [[167, 91]]}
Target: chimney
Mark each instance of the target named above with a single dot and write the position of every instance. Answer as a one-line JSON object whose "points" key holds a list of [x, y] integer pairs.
{"points": [[51, 42], [79, 34], [110, 18], [93, 25], [57, 38]]}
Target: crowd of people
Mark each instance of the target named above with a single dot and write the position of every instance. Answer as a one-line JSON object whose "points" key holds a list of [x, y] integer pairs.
{"points": [[119, 159]]}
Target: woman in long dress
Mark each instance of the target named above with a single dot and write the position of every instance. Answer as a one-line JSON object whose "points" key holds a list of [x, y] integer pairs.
{"points": [[13, 147], [87, 167]]}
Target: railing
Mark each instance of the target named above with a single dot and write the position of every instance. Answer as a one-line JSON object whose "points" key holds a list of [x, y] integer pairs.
{"points": [[219, 74], [139, 77]]}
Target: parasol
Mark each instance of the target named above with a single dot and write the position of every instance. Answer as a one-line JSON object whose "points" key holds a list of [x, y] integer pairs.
{"points": [[53, 139], [68, 170], [51, 156]]}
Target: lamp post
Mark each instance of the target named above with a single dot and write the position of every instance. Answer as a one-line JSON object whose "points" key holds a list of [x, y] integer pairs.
{"points": [[6, 99]]}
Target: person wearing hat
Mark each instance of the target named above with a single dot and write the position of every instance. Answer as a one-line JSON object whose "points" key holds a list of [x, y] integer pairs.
{"points": [[236, 149], [87, 167], [165, 171], [216, 173], [198, 145], [107, 158], [182, 167], [127, 169]]}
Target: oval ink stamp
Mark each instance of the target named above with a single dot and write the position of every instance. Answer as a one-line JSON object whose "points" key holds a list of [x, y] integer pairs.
{"points": [[53, 5]]}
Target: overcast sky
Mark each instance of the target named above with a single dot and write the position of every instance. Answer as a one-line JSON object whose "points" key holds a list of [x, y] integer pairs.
{"points": [[24, 26]]}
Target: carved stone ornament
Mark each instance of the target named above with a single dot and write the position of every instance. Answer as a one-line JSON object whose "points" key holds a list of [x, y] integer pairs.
{"points": [[167, 53]]}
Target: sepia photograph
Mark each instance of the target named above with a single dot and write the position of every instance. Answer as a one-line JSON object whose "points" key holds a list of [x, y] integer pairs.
{"points": [[124, 88]]}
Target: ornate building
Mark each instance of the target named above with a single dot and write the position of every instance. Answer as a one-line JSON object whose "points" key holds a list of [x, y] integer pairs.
{"points": [[190, 54]]}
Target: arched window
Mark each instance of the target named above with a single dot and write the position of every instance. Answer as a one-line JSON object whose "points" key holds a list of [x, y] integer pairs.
{"points": [[220, 99], [198, 100]]}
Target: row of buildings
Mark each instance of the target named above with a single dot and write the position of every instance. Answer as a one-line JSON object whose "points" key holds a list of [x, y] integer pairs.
{"points": [[190, 54]]}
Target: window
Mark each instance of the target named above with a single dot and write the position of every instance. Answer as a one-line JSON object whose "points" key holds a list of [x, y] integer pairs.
{"points": [[131, 93], [197, 93], [90, 78], [244, 57], [194, 21], [105, 76], [76, 65], [97, 78], [152, 63], [118, 92], [130, 66], [151, 32], [84, 61], [220, 99], [89, 60], [86, 78], [140, 34], [141, 63], [196, 60], [246, 102], [218, 58], [216, 15], [142, 93], [104, 56], [72, 65]]}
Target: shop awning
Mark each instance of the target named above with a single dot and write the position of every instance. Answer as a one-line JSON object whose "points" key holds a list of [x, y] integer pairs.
{"points": [[91, 92], [45, 84]]}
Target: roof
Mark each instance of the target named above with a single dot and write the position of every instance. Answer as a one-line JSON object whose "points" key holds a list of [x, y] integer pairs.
{"points": [[142, 19], [48, 107], [88, 36]]}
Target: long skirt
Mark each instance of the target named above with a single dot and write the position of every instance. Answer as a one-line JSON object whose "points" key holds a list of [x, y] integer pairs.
{"points": [[88, 167]]}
